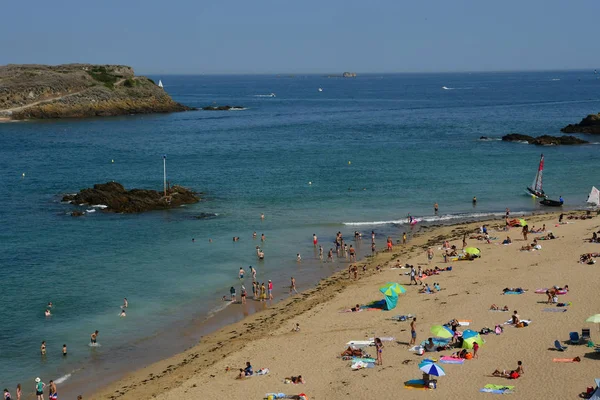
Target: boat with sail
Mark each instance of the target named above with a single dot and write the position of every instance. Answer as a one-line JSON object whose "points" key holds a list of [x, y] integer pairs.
{"points": [[160, 85], [535, 189], [594, 197]]}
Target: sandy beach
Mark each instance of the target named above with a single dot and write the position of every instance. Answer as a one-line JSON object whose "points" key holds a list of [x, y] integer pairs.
{"points": [[266, 338]]}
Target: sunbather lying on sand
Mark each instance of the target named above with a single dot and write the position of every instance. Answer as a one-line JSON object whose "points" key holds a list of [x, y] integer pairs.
{"points": [[507, 240], [356, 308], [532, 246], [496, 308], [588, 258], [511, 374], [549, 236], [518, 290], [294, 379]]}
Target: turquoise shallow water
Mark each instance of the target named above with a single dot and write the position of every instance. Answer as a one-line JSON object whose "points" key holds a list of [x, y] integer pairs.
{"points": [[409, 142]]}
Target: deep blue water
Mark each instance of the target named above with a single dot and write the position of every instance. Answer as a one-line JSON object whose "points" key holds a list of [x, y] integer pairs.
{"points": [[375, 149]]}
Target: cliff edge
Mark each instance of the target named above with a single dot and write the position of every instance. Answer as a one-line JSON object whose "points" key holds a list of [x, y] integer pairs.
{"points": [[33, 91]]}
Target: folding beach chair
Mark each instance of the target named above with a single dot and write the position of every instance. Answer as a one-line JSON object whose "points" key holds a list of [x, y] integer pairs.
{"points": [[559, 346], [585, 334], [574, 337]]}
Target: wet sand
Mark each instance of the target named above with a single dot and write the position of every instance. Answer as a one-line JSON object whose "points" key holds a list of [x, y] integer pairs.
{"points": [[469, 289]]}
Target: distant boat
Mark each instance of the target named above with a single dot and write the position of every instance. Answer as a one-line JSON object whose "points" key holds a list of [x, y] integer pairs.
{"points": [[272, 95], [160, 85], [535, 189], [594, 197], [320, 89]]}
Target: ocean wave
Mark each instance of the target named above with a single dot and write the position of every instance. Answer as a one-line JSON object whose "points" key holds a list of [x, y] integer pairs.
{"points": [[457, 88], [62, 379], [91, 210], [216, 309], [434, 218], [447, 88], [555, 79], [102, 206], [264, 95], [488, 139]]}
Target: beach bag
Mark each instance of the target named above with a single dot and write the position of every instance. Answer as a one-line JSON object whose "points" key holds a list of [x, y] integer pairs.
{"points": [[498, 329]]}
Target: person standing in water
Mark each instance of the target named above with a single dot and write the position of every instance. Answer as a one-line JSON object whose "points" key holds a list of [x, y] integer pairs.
{"points": [[435, 208], [64, 350], [474, 200], [262, 216], [253, 271], [293, 285], [330, 255], [320, 252], [125, 303], [232, 293], [262, 237], [52, 392], [270, 289], [315, 240], [43, 348], [241, 273], [243, 291], [93, 338]]}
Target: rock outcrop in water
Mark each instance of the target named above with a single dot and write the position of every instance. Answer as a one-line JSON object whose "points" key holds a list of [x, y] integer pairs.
{"points": [[590, 124], [78, 91], [544, 140], [117, 199], [222, 108]]}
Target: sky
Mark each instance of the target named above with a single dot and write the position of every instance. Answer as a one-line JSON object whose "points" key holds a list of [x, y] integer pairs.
{"points": [[308, 36]]}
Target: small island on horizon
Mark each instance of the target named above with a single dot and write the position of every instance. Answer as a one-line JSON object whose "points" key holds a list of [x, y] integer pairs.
{"points": [[32, 91]]}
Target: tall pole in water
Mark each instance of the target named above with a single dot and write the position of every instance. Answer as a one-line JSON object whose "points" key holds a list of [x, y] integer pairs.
{"points": [[165, 173]]}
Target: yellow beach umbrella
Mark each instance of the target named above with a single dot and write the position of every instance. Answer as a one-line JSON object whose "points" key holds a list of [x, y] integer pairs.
{"points": [[474, 251]]}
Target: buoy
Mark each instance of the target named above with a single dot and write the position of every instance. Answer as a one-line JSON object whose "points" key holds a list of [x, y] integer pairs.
{"points": [[112, 161], [349, 162], [23, 174], [310, 183]]}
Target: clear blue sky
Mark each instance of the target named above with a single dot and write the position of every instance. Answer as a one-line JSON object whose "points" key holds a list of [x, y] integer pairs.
{"points": [[272, 36]]}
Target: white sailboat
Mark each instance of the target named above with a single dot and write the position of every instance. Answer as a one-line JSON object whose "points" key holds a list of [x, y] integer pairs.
{"points": [[535, 189], [160, 85], [594, 197]]}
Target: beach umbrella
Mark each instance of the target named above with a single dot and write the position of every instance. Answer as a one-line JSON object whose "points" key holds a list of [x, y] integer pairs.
{"points": [[391, 288], [469, 334], [474, 251], [468, 343], [522, 222], [431, 369], [595, 319], [441, 331]]}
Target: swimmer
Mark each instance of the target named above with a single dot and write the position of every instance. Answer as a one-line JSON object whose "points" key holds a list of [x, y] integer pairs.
{"points": [[64, 350], [43, 348], [193, 240], [262, 216], [298, 258], [47, 313], [262, 237], [253, 271], [254, 235], [241, 273], [49, 304], [122, 314], [209, 240], [93, 338], [125, 303]]}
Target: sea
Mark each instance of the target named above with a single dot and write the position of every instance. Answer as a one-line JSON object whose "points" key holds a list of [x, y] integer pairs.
{"points": [[360, 154]]}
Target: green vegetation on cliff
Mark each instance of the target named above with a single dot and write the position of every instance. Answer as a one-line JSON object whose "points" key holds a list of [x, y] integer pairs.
{"points": [[78, 91]]}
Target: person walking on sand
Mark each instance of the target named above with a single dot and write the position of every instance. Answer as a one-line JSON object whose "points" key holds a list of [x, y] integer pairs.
{"points": [[524, 232], [413, 277], [404, 238], [429, 255], [315, 240], [413, 331], [379, 348], [475, 349], [39, 388], [293, 285], [420, 275], [270, 289]]}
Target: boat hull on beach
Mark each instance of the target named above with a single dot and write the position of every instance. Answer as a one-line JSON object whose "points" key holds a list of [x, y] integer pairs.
{"points": [[551, 203]]}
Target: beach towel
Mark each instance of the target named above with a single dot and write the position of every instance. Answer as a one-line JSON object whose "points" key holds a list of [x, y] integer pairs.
{"points": [[361, 365], [566, 360], [509, 322], [511, 292], [436, 341], [363, 359], [554, 310], [415, 348], [360, 343], [499, 310], [384, 339], [414, 384], [543, 291], [402, 317], [276, 396], [451, 360], [497, 389], [464, 322]]}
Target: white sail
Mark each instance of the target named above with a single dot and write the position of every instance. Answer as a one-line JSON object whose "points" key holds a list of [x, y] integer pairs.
{"points": [[160, 83], [594, 197]]}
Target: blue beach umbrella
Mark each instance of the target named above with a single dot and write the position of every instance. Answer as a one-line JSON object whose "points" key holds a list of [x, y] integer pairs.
{"points": [[431, 369], [469, 334]]}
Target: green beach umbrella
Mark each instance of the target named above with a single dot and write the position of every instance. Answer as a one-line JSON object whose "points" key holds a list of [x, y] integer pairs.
{"points": [[522, 222], [441, 331], [392, 288], [472, 251], [468, 343], [595, 319]]}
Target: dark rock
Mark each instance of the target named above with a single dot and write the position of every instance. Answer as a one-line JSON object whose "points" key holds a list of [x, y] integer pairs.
{"points": [[544, 140], [77, 213], [517, 137], [116, 199], [205, 216], [222, 108], [590, 124]]}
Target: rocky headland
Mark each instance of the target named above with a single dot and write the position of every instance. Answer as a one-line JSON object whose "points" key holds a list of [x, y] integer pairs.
{"points": [[590, 124], [544, 140], [78, 91], [113, 197]]}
